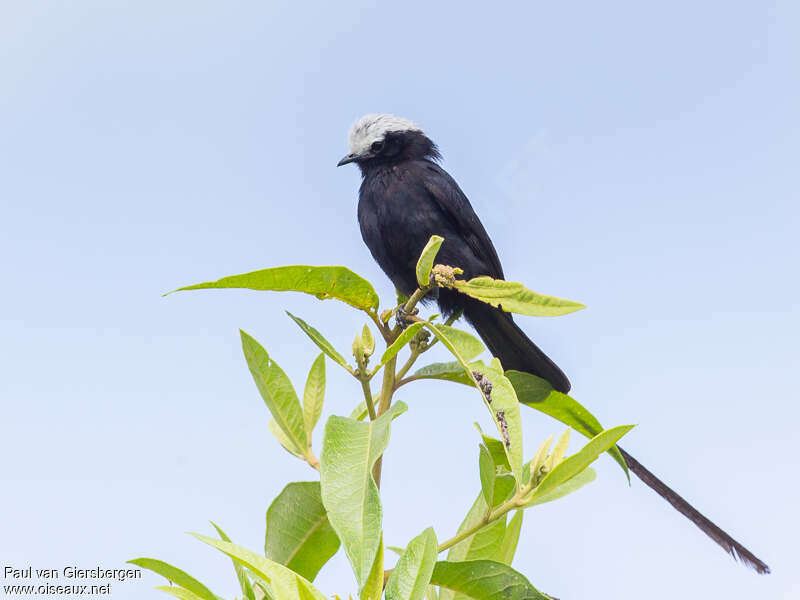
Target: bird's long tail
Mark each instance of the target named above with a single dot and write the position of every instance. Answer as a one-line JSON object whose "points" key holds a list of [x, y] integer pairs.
{"points": [[509, 343], [516, 352], [726, 542]]}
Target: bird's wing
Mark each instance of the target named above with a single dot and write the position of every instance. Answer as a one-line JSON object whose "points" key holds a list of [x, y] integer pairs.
{"points": [[457, 209]]}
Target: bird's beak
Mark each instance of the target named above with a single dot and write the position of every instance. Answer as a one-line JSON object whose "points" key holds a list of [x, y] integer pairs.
{"points": [[347, 159]]}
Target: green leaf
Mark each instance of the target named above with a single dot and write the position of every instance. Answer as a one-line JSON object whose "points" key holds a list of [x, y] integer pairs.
{"points": [[449, 371], [538, 462], [581, 479], [559, 451], [241, 574], [576, 463], [277, 392], [496, 449], [425, 262], [373, 588], [410, 577], [284, 440], [484, 580], [175, 575], [349, 493], [502, 402], [488, 473], [261, 588], [360, 412], [314, 395], [323, 282], [468, 346], [298, 532], [511, 538], [178, 592], [504, 487], [321, 342], [368, 341], [537, 393], [403, 339], [285, 584], [514, 297]]}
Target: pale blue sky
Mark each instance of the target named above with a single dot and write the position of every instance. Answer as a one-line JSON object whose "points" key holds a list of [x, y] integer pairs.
{"points": [[641, 159]]}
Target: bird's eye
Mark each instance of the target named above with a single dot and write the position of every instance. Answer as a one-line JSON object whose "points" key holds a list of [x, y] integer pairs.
{"points": [[377, 146]]}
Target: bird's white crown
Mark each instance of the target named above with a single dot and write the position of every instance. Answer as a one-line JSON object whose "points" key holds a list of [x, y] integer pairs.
{"points": [[373, 127]]}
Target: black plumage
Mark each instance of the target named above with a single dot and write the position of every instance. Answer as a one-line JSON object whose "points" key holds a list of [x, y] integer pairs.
{"points": [[405, 198]]}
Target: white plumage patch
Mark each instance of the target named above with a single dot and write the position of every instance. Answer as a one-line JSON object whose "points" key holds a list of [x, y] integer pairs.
{"points": [[372, 128]]}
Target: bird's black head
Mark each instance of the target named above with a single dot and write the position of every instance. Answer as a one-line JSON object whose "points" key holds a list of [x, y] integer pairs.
{"points": [[386, 139]]}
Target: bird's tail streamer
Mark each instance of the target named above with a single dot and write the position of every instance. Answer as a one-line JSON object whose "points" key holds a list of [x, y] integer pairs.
{"points": [[726, 542]]}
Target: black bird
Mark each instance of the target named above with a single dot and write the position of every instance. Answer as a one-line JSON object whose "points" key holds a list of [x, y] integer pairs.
{"points": [[405, 198]]}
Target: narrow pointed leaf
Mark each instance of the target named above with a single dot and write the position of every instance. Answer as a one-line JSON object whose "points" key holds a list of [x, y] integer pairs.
{"points": [[323, 282], [512, 296], [539, 459], [496, 450], [449, 371], [576, 463], [401, 341], [559, 451], [504, 487], [572, 485], [537, 393], [241, 574], [487, 472], [284, 440], [178, 592], [349, 493], [412, 573], [373, 588], [360, 412], [284, 583], [277, 392], [299, 535], [511, 538], [484, 580], [175, 575], [314, 395], [425, 262], [320, 341], [505, 410]]}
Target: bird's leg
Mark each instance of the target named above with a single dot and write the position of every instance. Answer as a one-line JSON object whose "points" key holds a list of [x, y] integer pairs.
{"points": [[433, 294], [405, 318]]}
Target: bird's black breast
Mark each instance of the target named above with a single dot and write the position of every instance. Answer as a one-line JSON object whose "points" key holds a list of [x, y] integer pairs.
{"points": [[402, 205]]}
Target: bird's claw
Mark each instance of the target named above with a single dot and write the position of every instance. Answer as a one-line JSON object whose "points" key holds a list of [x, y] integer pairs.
{"points": [[405, 318]]}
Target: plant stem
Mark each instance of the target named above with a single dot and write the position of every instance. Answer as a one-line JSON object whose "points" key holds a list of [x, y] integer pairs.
{"points": [[402, 382], [367, 396], [384, 330], [415, 354], [500, 511], [312, 460], [387, 389], [418, 295]]}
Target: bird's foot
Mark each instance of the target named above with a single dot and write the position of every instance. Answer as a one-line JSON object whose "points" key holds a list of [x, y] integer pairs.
{"points": [[405, 318]]}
